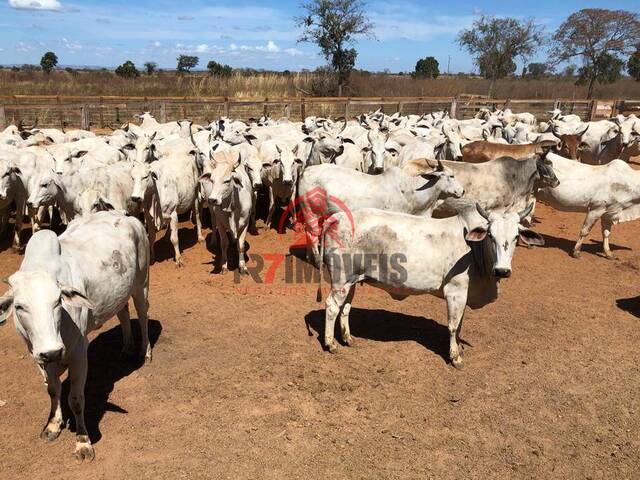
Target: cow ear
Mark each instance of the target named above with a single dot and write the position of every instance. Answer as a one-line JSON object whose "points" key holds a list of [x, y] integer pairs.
{"points": [[154, 175], [6, 303], [529, 237], [476, 235], [237, 180], [80, 153], [15, 169], [205, 176], [74, 298], [103, 205], [128, 146]]}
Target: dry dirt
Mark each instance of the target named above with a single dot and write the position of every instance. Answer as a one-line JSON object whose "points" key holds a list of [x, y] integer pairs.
{"points": [[238, 389]]}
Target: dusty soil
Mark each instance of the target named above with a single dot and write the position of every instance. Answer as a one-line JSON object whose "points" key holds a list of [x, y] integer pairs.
{"points": [[238, 389]]}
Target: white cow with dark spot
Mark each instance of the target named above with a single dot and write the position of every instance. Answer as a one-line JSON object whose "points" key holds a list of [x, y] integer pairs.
{"points": [[70, 285]]}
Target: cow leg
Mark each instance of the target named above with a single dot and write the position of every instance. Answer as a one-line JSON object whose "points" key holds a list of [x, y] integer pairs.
{"points": [[125, 325], [196, 207], [252, 219], [221, 227], [38, 219], [344, 318], [272, 207], [173, 228], [141, 302], [456, 302], [607, 225], [242, 264], [53, 427], [334, 303], [589, 222], [151, 234], [78, 377]]}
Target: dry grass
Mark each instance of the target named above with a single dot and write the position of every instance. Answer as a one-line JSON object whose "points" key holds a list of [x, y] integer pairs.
{"points": [[297, 84]]}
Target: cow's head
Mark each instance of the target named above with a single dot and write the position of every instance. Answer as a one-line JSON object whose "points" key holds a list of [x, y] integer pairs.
{"points": [[8, 177], [501, 236], [376, 150], [545, 176], [39, 305], [570, 145], [285, 163], [143, 181], [71, 162], [442, 179], [48, 188], [223, 178]]}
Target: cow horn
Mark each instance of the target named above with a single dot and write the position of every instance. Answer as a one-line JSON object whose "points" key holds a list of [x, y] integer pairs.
{"points": [[525, 213], [440, 167], [482, 212]]}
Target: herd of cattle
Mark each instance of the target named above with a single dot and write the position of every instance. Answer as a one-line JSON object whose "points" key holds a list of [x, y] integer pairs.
{"points": [[447, 200]]}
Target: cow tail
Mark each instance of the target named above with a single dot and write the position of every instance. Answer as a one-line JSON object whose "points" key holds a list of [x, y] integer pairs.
{"points": [[321, 261]]}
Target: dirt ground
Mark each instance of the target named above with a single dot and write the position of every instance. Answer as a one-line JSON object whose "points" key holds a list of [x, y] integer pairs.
{"points": [[238, 389]]}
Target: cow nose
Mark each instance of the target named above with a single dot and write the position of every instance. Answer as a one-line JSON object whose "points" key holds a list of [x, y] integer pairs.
{"points": [[50, 356], [58, 172], [378, 170], [287, 181], [502, 272], [462, 192], [31, 204], [214, 201], [136, 199]]}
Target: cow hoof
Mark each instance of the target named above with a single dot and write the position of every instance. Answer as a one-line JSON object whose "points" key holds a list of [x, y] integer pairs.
{"points": [[49, 435], [575, 254], [348, 341], [457, 362], [223, 270], [609, 256], [243, 270], [84, 450], [179, 263], [148, 356], [332, 347], [201, 239]]}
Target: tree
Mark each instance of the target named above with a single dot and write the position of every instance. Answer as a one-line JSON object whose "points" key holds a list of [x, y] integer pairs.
{"points": [[590, 34], [187, 62], [495, 43], [427, 67], [150, 67], [334, 25], [606, 69], [219, 69], [537, 70], [633, 65], [127, 70], [48, 62]]}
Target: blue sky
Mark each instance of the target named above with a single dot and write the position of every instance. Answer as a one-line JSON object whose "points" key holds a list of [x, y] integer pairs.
{"points": [[248, 33]]}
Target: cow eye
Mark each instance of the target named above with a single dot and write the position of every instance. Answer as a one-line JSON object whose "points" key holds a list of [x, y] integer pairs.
{"points": [[227, 181], [19, 308]]}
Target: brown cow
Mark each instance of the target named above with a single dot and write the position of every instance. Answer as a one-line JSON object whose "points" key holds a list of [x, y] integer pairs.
{"points": [[569, 145], [482, 151]]}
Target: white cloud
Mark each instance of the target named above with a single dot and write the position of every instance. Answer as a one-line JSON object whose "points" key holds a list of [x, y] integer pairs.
{"points": [[71, 45], [23, 47], [201, 48], [157, 44], [52, 5], [293, 52]]}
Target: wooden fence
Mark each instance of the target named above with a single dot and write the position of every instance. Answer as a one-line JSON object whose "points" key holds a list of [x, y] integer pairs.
{"points": [[107, 111]]}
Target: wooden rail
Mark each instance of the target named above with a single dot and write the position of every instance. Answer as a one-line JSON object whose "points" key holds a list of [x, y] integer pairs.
{"points": [[112, 111]]}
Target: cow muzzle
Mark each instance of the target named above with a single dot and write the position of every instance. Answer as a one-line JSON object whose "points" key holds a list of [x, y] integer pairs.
{"points": [[50, 356], [502, 272], [136, 199]]}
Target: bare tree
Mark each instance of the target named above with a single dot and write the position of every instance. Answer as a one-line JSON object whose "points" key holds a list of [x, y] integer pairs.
{"points": [[595, 35], [334, 25], [496, 43]]}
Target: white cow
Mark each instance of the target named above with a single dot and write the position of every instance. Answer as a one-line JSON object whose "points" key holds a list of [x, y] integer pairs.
{"points": [[461, 259], [70, 285], [609, 192]]}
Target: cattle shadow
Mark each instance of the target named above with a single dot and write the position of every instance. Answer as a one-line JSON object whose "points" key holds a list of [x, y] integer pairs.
{"points": [[385, 326], [187, 238], [212, 243], [594, 247], [107, 366], [630, 305]]}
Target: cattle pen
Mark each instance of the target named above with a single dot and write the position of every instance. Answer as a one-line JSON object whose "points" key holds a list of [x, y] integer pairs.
{"points": [[88, 112]]}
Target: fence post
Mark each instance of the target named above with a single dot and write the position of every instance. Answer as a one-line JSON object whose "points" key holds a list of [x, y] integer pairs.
{"points": [[225, 107], [347, 108], [3, 120], [287, 111], [453, 109], [265, 107], [556, 105], [400, 107], [615, 109], [84, 117], [303, 109], [594, 108], [101, 112], [163, 112], [184, 112]]}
